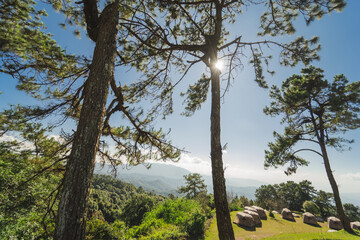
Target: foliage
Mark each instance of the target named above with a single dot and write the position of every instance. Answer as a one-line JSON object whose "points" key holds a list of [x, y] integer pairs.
{"points": [[185, 215], [315, 110], [194, 185], [109, 197], [136, 208], [290, 195], [207, 203], [352, 211], [311, 207], [238, 203], [189, 32], [30, 55], [294, 194], [325, 201], [100, 230], [30, 172], [268, 197]]}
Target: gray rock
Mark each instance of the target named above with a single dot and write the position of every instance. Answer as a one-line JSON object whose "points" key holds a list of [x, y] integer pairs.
{"points": [[255, 216], [250, 209], [334, 223], [355, 225], [261, 212], [319, 219], [287, 214], [244, 219], [275, 212], [296, 215], [309, 218]]}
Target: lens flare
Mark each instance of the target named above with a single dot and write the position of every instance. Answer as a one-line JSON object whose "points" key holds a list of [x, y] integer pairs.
{"points": [[219, 65]]}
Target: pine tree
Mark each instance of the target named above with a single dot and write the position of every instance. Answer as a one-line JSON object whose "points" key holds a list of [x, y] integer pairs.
{"points": [[77, 88], [194, 185], [317, 111]]}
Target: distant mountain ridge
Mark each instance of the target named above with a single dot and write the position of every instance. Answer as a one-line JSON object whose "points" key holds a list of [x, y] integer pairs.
{"points": [[165, 179]]}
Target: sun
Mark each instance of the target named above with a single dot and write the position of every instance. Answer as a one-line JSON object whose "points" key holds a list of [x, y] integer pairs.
{"points": [[219, 65]]}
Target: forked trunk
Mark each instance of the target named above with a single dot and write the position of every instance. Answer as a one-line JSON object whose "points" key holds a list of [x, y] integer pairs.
{"points": [[339, 207], [224, 225], [71, 218]]}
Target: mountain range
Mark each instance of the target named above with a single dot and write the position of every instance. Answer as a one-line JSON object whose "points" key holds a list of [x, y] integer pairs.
{"points": [[164, 179]]}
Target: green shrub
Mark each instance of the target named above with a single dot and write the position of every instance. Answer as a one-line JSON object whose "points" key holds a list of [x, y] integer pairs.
{"points": [[186, 216], [168, 232], [97, 229], [136, 208], [309, 206]]}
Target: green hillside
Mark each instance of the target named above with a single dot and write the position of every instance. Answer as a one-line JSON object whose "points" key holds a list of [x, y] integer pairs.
{"points": [[280, 229]]}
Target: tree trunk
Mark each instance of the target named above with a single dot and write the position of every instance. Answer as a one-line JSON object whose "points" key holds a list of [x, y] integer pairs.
{"points": [[339, 207], [71, 218], [224, 225]]}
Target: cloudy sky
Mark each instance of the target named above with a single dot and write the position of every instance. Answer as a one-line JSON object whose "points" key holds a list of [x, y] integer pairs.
{"points": [[245, 128]]}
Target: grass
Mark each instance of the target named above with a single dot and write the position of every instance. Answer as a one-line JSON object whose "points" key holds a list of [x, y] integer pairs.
{"points": [[280, 229]]}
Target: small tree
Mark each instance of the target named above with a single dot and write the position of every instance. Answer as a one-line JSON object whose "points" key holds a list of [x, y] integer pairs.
{"points": [[315, 110], [136, 208], [352, 211], [325, 202], [294, 194], [309, 206], [267, 196], [194, 185]]}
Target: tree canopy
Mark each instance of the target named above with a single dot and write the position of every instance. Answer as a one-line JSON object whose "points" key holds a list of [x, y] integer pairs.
{"points": [[194, 185], [317, 111], [314, 110]]}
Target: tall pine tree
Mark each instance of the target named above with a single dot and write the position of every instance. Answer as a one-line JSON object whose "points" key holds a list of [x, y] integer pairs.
{"points": [[317, 111]]}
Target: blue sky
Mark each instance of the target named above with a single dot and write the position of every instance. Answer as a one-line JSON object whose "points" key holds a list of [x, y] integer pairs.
{"points": [[244, 126]]}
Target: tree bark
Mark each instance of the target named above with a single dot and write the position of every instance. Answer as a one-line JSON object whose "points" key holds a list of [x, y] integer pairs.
{"points": [[339, 207], [71, 218], [224, 225]]}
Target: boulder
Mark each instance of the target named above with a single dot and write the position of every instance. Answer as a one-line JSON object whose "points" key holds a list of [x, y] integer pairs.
{"points": [[296, 215], [309, 218], [261, 212], [255, 216], [244, 219], [334, 223], [250, 209], [319, 219], [287, 214], [355, 225], [275, 212]]}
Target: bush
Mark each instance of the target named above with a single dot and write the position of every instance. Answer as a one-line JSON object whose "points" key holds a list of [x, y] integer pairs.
{"points": [[97, 229], [236, 204], [136, 208], [352, 212], [309, 206], [185, 216]]}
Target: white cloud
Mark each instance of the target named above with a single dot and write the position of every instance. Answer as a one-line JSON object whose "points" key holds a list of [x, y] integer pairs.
{"points": [[57, 138], [193, 164], [7, 138], [23, 144], [351, 176]]}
